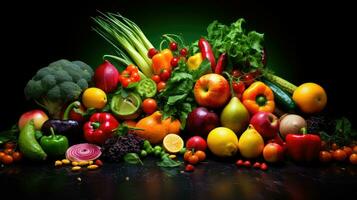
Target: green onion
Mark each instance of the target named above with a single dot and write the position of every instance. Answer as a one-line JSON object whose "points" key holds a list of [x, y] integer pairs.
{"points": [[125, 36]]}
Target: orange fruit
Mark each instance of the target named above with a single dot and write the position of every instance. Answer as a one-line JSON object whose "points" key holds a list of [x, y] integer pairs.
{"points": [[310, 98], [94, 98], [173, 126], [172, 143]]}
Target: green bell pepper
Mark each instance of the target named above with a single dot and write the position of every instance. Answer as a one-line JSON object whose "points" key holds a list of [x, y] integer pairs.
{"points": [[54, 145]]}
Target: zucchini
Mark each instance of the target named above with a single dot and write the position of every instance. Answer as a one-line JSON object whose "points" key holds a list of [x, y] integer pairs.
{"points": [[281, 97], [281, 83]]}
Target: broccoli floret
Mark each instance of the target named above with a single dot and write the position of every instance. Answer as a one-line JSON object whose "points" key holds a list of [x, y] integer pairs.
{"points": [[70, 91], [34, 89], [82, 83], [59, 83], [48, 82]]}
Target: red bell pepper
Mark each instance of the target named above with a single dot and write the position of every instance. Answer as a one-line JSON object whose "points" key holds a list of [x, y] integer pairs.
{"points": [[207, 52], [100, 127], [303, 148]]}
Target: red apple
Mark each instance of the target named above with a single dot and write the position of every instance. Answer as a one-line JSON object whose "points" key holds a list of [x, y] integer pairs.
{"points": [[39, 117], [201, 121], [197, 143], [273, 152], [266, 123], [212, 90]]}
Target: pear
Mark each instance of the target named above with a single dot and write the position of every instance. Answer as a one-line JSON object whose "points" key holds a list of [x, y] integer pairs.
{"points": [[251, 143], [235, 116]]}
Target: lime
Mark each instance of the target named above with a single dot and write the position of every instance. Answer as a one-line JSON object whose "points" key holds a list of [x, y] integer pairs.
{"points": [[126, 107], [146, 88]]}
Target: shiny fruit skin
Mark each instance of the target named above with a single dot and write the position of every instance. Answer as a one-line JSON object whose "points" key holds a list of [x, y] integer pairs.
{"points": [[339, 155], [222, 142], [325, 156], [149, 106], [353, 158], [273, 152], [94, 98], [212, 90], [310, 98], [196, 143], [38, 116]]}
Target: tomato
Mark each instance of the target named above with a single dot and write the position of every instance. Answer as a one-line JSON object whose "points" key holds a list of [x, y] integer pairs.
{"points": [[156, 78], [8, 151], [236, 73], [248, 79], [161, 86], [201, 155], [263, 166], [193, 159], [174, 61], [238, 87], [125, 82], [354, 149], [325, 156], [131, 69], [256, 165], [189, 168], [348, 150], [173, 46], [339, 155], [152, 52], [183, 52], [334, 146], [187, 154], [149, 106], [239, 163], [135, 77], [2, 154], [247, 163], [7, 159], [353, 158], [17, 156], [165, 75], [10, 145]]}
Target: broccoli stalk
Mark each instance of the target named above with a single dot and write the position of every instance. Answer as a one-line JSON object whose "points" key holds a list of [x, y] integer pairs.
{"points": [[53, 108]]}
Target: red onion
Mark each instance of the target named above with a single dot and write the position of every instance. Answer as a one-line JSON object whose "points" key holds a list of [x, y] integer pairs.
{"points": [[106, 77], [83, 152]]}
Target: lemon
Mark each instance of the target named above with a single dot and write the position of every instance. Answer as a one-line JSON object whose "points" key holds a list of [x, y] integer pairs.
{"points": [[222, 142], [94, 98], [172, 143]]}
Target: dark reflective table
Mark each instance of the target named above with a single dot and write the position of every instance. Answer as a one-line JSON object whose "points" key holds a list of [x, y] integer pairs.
{"points": [[211, 180]]}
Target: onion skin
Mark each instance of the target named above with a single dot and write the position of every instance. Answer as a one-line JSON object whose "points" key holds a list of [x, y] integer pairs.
{"points": [[291, 123], [83, 152]]}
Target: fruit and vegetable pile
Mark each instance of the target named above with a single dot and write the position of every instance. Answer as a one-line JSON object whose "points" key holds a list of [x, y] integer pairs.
{"points": [[178, 103]]}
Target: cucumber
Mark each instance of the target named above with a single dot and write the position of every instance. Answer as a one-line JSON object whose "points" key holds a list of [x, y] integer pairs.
{"points": [[281, 97], [281, 83]]}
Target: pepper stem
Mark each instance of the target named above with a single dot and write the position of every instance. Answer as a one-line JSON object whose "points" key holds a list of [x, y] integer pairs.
{"points": [[52, 132], [303, 130], [74, 104], [95, 124]]}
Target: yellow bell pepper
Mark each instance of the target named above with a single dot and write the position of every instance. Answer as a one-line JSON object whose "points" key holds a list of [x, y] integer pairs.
{"points": [[194, 61], [162, 61], [258, 97]]}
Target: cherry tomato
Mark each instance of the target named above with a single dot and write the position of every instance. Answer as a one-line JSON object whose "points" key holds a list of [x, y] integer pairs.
{"points": [[99, 163], [325, 156], [10, 145], [183, 52], [236, 73], [7, 159], [239, 163], [8, 151], [2, 154], [156, 78], [193, 159], [247, 163], [131, 69], [17, 156], [174, 62], [354, 149], [238, 87], [165, 75], [334, 146], [187, 154], [256, 165], [135, 77], [173, 46], [189, 168], [149, 106], [255, 73], [248, 79], [263, 166], [161, 86], [353, 158], [339, 155], [201, 155], [348, 150], [125, 82], [152, 52]]}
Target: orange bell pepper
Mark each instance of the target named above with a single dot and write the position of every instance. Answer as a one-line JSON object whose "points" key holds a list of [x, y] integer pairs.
{"points": [[258, 97], [162, 61]]}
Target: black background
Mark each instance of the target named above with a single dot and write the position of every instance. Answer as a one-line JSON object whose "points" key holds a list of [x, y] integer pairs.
{"points": [[317, 40]]}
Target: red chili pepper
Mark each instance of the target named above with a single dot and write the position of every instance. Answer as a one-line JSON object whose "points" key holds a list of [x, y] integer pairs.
{"points": [[100, 127], [221, 63], [305, 147], [207, 52], [129, 75]]}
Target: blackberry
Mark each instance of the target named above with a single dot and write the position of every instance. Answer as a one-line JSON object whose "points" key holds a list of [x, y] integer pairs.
{"points": [[114, 148]]}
